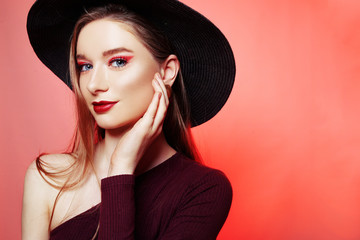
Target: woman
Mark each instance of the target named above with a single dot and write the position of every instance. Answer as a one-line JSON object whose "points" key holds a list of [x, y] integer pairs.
{"points": [[133, 171]]}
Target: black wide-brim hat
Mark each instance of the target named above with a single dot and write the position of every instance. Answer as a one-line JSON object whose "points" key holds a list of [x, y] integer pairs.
{"points": [[206, 59]]}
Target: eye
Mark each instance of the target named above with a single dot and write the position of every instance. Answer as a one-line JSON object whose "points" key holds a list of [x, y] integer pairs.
{"points": [[83, 67], [119, 62]]}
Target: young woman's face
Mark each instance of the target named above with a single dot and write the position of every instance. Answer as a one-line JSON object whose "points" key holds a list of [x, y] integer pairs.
{"points": [[116, 71]]}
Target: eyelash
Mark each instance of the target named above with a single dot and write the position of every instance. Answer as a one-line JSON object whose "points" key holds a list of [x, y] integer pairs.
{"points": [[123, 60], [83, 64]]}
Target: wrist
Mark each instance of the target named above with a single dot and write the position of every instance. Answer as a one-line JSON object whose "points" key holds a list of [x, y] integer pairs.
{"points": [[120, 169]]}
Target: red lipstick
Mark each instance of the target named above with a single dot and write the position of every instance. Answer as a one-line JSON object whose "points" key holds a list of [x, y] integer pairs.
{"points": [[103, 106]]}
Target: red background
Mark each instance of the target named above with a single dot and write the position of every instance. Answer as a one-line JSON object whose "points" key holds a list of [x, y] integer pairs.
{"points": [[288, 138]]}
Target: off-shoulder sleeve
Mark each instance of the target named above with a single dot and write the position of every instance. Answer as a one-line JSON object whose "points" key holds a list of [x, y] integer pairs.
{"points": [[203, 209]]}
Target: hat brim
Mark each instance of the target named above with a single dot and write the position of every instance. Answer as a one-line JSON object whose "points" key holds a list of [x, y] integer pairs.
{"points": [[206, 59]]}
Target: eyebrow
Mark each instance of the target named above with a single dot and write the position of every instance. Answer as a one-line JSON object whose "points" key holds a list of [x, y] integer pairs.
{"points": [[107, 52], [115, 50]]}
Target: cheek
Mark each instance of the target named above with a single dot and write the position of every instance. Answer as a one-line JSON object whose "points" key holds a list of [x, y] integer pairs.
{"points": [[137, 79], [83, 90], [136, 89]]}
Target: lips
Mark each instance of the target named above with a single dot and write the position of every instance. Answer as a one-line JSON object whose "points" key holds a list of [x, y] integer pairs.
{"points": [[103, 106]]}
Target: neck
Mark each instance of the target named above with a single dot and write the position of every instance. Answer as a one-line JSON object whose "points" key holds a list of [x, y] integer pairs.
{"points": [[158, 151]]}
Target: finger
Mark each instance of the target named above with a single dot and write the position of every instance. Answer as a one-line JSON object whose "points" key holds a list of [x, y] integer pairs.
{"points": [[164, 101], [159, 119], [162, 109], [159, 86], [153, 107], [162, 87]]}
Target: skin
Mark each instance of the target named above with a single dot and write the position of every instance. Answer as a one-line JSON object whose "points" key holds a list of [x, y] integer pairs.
{"points": [[134, 141]]}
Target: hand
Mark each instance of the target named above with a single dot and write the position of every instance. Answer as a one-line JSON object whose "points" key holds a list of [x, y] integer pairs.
{"points": [[133, 144]]}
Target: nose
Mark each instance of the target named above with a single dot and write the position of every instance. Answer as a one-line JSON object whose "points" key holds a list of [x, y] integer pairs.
{"points": [[98, 81]]}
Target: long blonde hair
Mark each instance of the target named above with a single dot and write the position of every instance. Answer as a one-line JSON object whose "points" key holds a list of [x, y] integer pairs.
{"points": [[176, 126]]}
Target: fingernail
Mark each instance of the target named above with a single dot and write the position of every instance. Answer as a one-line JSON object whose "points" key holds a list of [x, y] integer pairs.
{"points": [[156, 81]]}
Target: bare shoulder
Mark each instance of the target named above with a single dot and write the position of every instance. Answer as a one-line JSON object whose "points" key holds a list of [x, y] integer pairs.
{"points": [[55, 162], [40, 193], [40, 170]]}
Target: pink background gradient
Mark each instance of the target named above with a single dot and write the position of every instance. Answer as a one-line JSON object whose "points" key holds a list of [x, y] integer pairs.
{"points": [[288, 138]]}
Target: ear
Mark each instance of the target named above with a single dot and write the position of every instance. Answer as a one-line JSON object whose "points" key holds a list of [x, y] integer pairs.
{"points": [[169, 69]]}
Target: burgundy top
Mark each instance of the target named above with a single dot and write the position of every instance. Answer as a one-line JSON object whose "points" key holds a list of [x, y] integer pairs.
{"points": [[178, 199]]}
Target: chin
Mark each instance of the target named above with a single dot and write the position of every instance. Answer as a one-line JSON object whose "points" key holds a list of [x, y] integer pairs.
{"points": [[121, 120], [112, 125]]}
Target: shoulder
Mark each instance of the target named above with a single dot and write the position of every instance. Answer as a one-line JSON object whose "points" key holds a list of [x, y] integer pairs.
{"points": [[206, 195], [39, 194], [34, 182], [200, 179], [36, 177], [201, 172], [54, 162]]}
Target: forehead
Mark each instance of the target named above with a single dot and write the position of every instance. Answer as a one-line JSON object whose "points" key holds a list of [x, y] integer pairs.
{"points": [[104, 34]]}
